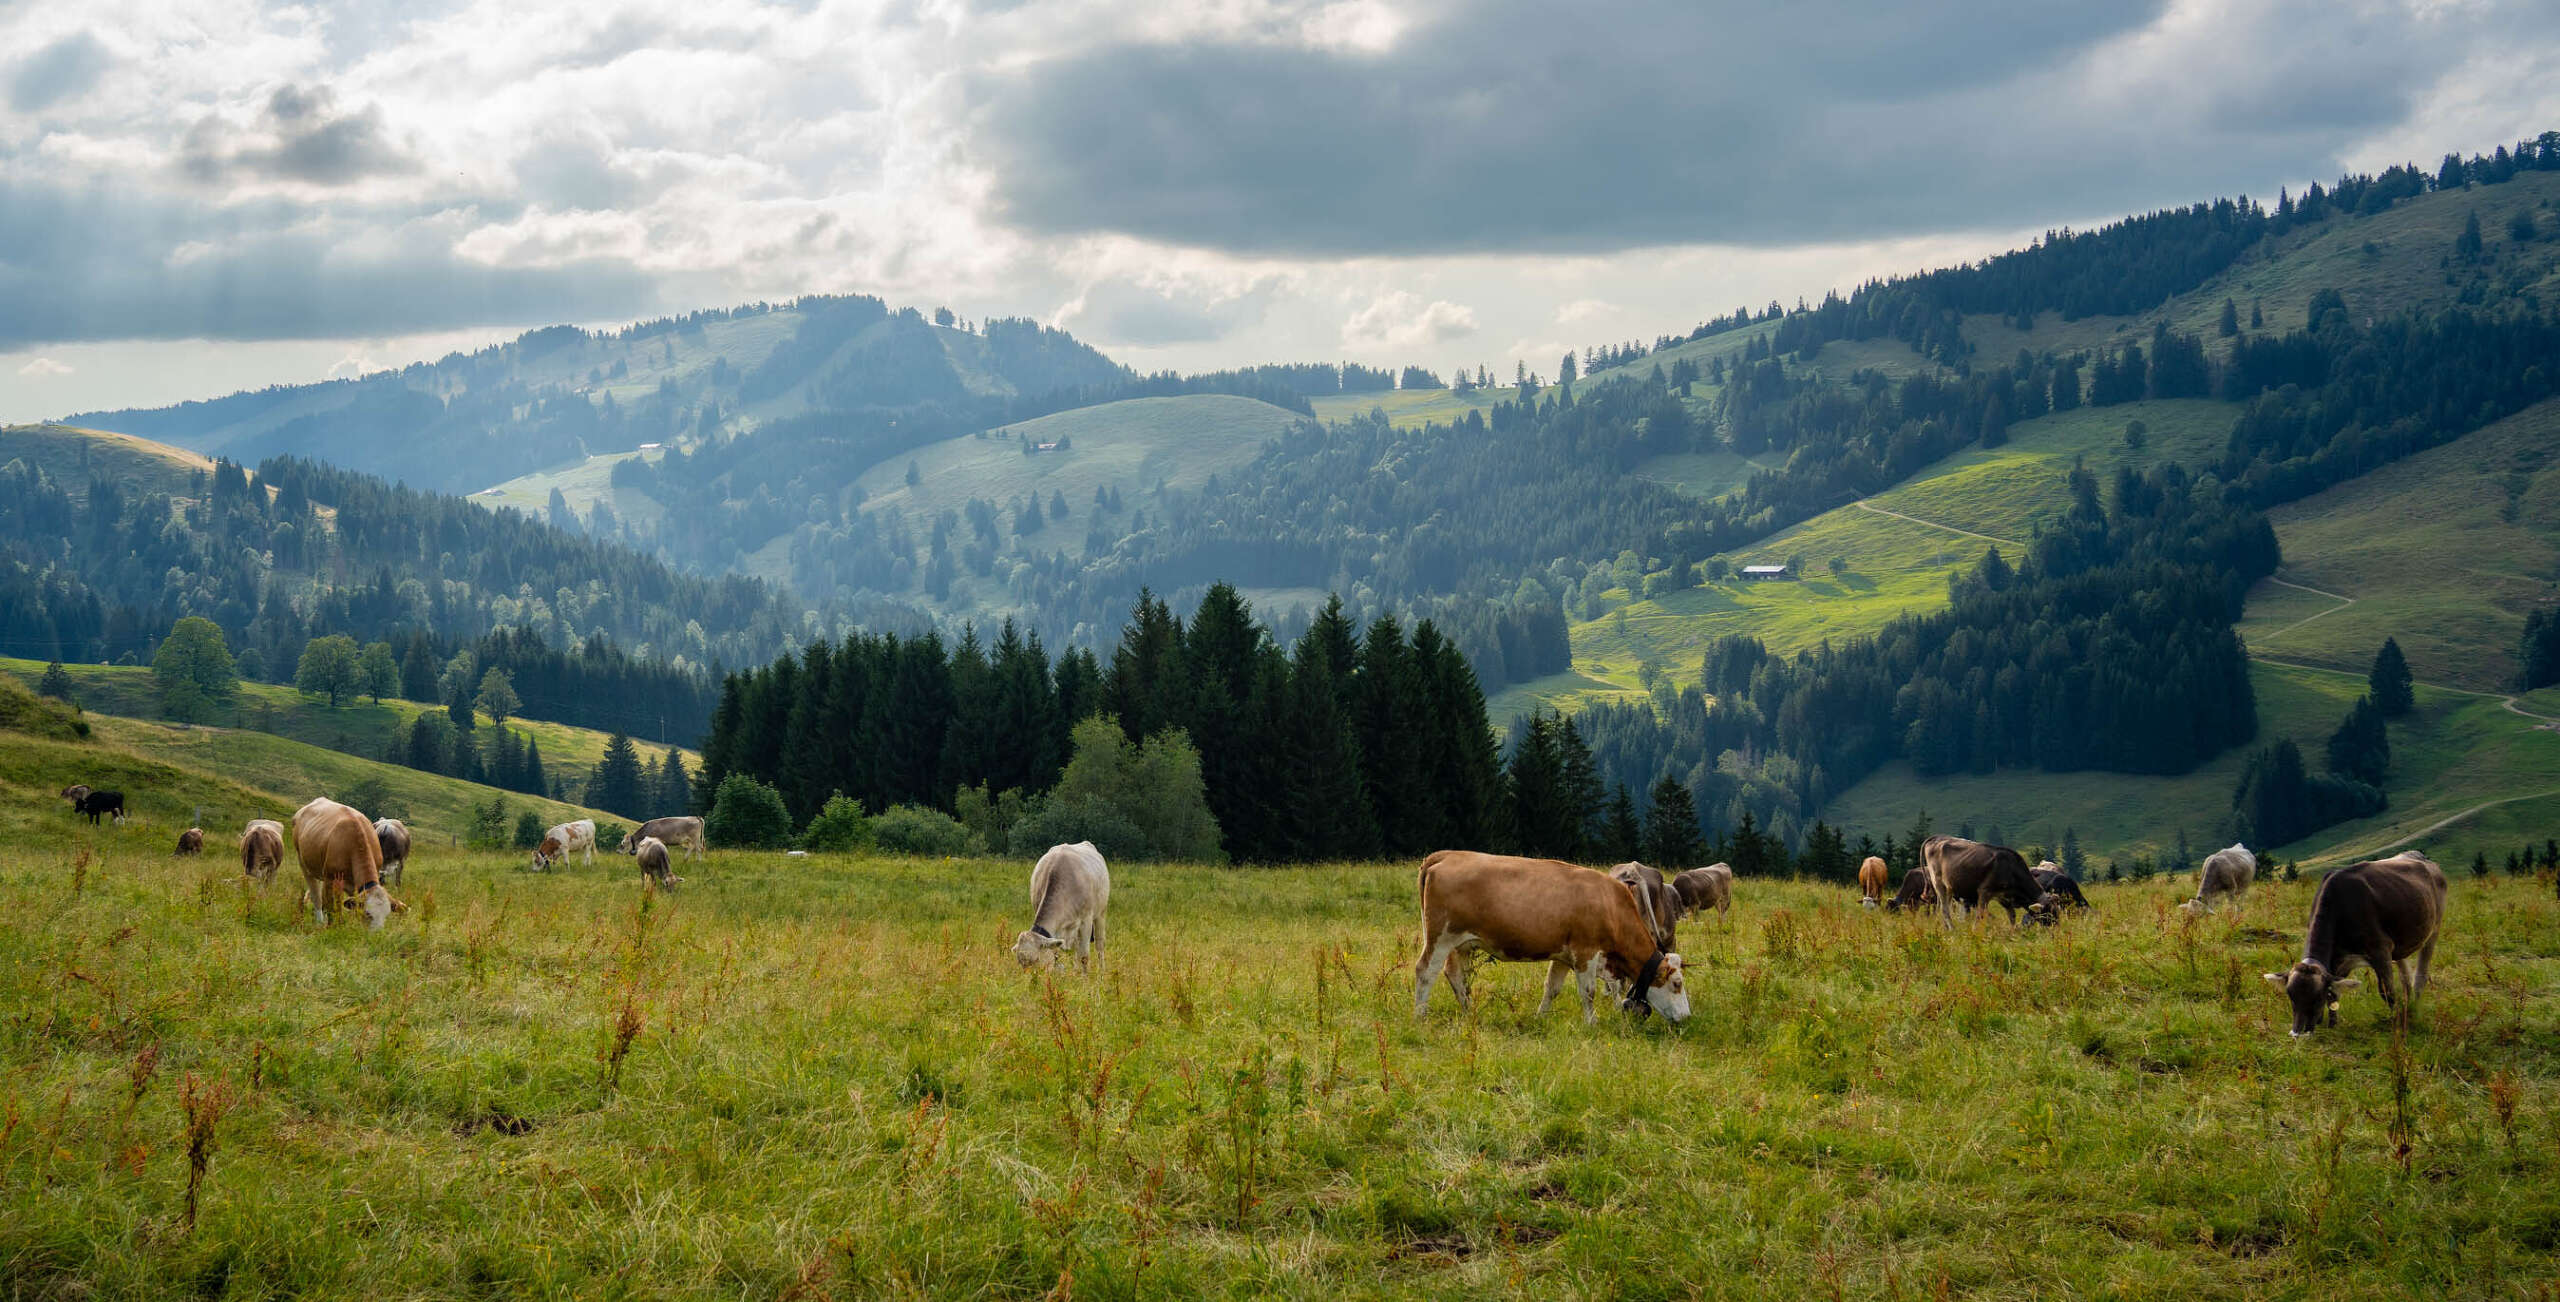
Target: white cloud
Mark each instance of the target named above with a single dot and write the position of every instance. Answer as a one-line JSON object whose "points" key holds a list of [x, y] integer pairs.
{"points": [[44, 368], [1403, 324]]}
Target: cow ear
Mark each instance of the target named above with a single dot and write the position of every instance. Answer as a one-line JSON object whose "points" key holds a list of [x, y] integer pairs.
{"points": [[399, 907], [2275, 978]]}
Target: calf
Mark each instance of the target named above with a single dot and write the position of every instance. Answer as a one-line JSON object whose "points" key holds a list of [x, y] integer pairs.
{"points": [[2059, 885], [2379, 913], [261, 849], [674, 830], [98, 804], [341, 861], [1711, 887], [1655, 899], [652, 856], [1581, 923], [191, 841], [1871, 879], [1070, 888], [394, 836], [2226, 876], [1978, 874]]}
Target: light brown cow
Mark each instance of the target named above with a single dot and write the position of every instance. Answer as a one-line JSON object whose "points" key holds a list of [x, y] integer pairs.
{"points": [[1070, 889], [2226, 876], [342, 862], [261, 849], [566, 839], [1660, 905], [394, 836], [1581, 923], [1711, 887], [1871, 879], [190, 841], [2378, 912], [652, 856], [674, 830]]}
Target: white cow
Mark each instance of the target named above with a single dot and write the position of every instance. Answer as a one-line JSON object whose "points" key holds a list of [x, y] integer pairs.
{"points": [[1070, 888], [2226, 875], [567, 838]]}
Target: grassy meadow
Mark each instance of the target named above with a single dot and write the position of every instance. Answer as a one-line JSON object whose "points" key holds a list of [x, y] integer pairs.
{"points": [[825, 1077]]}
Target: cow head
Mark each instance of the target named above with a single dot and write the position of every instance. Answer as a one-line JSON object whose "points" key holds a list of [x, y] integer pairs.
{"points": [[548, 853], [1660, 988], [376, 903], [2047, 910], [1036, 948], [2314, 993], [75, 794]]}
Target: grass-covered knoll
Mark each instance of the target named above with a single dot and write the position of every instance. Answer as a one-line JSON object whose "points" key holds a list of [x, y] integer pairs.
{"points": [[74, 456], [2455, 753], [1131, 445], [825, 1078], [582, 484], [2005, 491], [21, 710], [361, 727], [1708, 475], [2445, 551]]}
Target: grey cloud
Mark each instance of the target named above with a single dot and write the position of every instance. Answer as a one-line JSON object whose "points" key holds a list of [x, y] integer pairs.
{"points": [[57, 72], [107, 263], [570, 173], [300, 137], [1118, 312], [1507, 125]]}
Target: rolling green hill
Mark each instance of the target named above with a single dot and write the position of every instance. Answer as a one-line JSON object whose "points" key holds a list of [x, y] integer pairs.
{"points": [[363, 728], [72, 455]]}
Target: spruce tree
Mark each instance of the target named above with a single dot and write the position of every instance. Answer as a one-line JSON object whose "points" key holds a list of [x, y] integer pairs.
{"points": [[675, 792], [532, 779], [1671, 826], [1540, 810], [1328, 810], [2390, 681], [616, 783], [55, 683], [1622, 837], [2361, 747], [2072, 861], [1585, 799]]}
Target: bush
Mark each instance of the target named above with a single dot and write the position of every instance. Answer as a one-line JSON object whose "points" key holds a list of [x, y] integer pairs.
{"points": [[489, 825], [990, 818], [747, 815], [916, 830], [529, 830], [609, 837], [1064, 822], [841, 827], [1155, 787]]}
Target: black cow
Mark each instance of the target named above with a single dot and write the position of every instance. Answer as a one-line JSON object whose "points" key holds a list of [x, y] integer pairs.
{"points": [[98, 804], [2379, 913], [2058, 884]]}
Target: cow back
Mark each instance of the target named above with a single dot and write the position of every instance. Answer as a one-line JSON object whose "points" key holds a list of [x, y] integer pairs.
{"points": [[337, 847], [1069, 884], [1525, 909]]}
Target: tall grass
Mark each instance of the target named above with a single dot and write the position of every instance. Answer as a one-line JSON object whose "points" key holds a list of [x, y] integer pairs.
{"points": [[826, 1078]]}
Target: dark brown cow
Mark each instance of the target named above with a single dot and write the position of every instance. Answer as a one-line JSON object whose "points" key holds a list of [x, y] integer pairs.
{"points": [[1915, 893], [191, 841], [652, 856], [1871, 880], [1582, 923], [1660, 905], [2378, 912], [341, 863], [1976, 874], [1711, 887], [261, 849]]}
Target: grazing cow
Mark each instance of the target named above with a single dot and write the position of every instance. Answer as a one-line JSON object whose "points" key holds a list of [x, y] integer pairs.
{"points": [[1655, 899], [652, 856], [1579, 922], [564, 840], [261, 849], [75, 794], [2060, 885], [98, 804], [394, 836], [1871, 879], [1711, 887], [1915, 893], [341, 861], [682, 829], [2227, 874], [1978, 874], [1070, 887], [191, 841], [2379, 913]]}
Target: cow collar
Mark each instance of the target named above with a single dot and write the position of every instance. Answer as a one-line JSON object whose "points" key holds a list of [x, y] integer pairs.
{"points": [[1636, 1002], [1041, 932]]}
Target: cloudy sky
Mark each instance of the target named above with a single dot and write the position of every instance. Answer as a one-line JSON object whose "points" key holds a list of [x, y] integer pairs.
{"points": [[198, 196]]}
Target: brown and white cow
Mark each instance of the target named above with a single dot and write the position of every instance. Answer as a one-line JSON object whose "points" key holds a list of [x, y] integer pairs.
{"points": [[1581, 923], [652, 856], [341, 863], [2226, 876], [191, 841], [2378, 912], [394, 836], [1660, 905], [1871, 880], [566, 839], [1977, 874], [674, 830], [1070, 889], [1711, 887], [261, 849]]}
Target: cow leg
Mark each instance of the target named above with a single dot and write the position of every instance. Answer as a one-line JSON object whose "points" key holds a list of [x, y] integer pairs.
{"points": [[1457, 971], [1435, 954], [1557, 972], [2426, 960], [1096, 937]]}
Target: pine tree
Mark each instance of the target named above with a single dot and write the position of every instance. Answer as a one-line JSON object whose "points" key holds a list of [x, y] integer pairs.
{"points": [[616, 783], [1328, 810], [2390, 681], [1585, 799], [2480, 864], [2072, 861], [2467, 246], [531, 779], [1540, 817], [418, 673], [1621, 836], [1671, 826], [2361, 747], [1392, 716], [55, 683], [1747, 850], [675, 791]]}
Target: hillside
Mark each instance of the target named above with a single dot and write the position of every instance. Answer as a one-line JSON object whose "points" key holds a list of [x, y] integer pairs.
{"points": [[74, 456], [363, 727]]}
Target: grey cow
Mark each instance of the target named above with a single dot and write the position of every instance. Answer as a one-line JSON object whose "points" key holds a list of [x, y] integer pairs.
{"points": [[1070, 888], [2226, 876]]}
